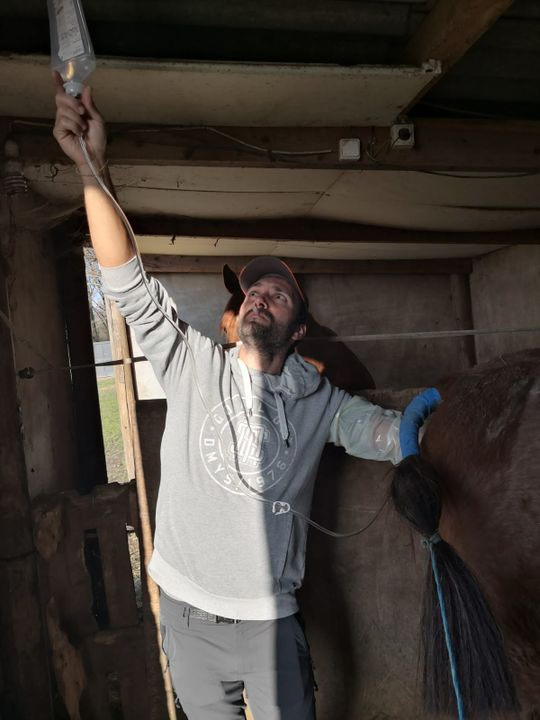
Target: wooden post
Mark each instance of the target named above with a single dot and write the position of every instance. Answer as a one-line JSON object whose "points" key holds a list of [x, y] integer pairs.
{"points": [[121, 349], [23, 659]]}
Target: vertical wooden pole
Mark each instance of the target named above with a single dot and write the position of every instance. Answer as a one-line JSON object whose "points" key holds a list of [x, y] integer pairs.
{"points": [[161, 680], [25, 688], [120, 348]]}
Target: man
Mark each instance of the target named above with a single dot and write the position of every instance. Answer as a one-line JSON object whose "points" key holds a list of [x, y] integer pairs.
{"points": [[244, 433]]}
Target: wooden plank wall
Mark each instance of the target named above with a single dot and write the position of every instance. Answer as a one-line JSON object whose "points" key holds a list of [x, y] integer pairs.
{"points": [[505, 290], [101, 653], [45, 399], [24, 687]]}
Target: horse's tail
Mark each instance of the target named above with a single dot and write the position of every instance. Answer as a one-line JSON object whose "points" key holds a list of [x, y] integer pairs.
{"points": [[476, 661]]}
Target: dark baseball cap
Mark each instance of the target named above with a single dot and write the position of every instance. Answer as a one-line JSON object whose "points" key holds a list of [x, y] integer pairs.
{"points": [[269, 265]]}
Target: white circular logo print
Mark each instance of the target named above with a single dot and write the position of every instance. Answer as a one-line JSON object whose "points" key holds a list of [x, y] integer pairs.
{"points": [[238, 450]]}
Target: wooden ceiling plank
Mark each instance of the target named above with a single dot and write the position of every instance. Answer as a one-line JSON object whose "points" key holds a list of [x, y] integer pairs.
{"points": [[214, 264], [317, 230]]}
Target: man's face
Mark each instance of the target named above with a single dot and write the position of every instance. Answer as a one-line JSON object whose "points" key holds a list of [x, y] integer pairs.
{"points": [[268, 316]]}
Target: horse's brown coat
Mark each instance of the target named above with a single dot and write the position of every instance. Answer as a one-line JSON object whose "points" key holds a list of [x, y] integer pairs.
{"points": [[484, 440]]}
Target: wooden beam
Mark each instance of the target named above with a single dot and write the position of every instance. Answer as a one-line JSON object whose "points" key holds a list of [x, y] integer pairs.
{"points": [[209, 264], [23, 658], [451, 28], [159, 677], [442, 145], [317, 230], [15, 518], [448, 32]]}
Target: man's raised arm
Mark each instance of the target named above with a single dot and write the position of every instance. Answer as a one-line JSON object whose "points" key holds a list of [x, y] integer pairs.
{"points": [[76, 117]]}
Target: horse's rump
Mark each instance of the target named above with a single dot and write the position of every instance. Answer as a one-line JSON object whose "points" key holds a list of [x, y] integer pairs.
{"points": [[484, 442]]}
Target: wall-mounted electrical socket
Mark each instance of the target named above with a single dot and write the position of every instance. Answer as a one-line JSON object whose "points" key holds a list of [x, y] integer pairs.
{"points": [[402, 136]]}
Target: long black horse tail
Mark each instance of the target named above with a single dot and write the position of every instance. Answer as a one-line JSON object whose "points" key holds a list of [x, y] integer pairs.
{"points": [[480, 664]]}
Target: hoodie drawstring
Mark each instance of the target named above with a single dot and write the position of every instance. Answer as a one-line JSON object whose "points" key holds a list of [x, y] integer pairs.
{"points": [[248, 391], [282, 418]]}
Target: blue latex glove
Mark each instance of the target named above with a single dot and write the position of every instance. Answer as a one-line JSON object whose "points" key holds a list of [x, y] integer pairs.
{"points": [[413, 418]]}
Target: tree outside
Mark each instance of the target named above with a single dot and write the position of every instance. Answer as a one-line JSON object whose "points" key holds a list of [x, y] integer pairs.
{"points": [[96, 297]]}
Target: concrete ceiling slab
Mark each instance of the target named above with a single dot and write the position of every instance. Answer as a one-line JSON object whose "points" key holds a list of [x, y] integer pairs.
{"points": [[234, 94]]}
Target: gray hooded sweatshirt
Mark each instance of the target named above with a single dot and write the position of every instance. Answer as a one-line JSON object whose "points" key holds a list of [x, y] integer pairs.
{"points": [[239, 455]]}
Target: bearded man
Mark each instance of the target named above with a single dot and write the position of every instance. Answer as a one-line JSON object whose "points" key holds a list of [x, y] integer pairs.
{"points": [[244, 434]]}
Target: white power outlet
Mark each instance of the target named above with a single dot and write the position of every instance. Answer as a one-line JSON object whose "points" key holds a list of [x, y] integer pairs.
{"points": [[402, 136]]}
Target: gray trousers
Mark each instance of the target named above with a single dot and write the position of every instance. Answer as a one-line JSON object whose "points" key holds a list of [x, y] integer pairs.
{"points": [[212, 663]]}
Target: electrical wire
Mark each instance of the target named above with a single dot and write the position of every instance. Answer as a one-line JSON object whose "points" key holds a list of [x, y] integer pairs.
{"points": [[372, 152], [278, 506], [233, 138], [502, 176]]}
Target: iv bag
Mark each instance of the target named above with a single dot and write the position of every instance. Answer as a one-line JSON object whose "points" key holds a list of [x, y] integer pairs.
{"points": [[72, 54]]}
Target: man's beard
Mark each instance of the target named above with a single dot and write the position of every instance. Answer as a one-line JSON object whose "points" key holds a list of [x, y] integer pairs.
{"points": [[268, 338]]}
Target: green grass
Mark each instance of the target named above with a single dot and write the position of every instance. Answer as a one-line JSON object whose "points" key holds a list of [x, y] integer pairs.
{"points": [[112, 433]]}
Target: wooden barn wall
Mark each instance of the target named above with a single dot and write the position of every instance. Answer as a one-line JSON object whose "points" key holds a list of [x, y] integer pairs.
{"points": [[370, 304], [45, 400], [24, 678], [505, 292], [353, 305]]}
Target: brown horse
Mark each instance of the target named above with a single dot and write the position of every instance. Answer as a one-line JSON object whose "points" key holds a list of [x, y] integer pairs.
{"points": [[480, 469], [333, 359]]}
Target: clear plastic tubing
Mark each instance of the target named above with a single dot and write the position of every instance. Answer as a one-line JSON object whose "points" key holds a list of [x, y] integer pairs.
{"points": [[72, 54]]}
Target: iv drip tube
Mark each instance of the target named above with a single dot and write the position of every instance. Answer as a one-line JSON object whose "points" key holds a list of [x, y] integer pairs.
{"points": [[278, 507]]}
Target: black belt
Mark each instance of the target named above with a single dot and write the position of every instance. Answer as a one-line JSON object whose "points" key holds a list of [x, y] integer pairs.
{"points": [[209, 617]]}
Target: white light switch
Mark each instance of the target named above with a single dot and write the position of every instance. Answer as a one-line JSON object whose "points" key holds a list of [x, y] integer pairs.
{"points": [[349, 149]]}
